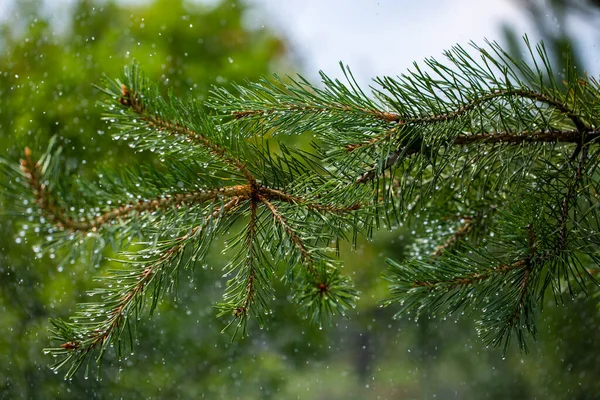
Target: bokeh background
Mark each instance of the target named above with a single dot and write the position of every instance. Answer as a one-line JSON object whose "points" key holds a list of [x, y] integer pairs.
{"points": [[51, 52]]}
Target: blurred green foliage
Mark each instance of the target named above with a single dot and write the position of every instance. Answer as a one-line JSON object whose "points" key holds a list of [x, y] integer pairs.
{"points": [[46, 76], [555, 23]]}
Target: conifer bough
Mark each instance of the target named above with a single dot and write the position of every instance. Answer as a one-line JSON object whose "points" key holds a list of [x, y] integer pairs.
{"points": [[496, 160]]}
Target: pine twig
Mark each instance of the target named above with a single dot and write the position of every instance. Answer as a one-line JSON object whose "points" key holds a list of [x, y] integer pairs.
{"points": [[62, 220], [307, 259], [134, 103], [250, 242], [274, 194], [460, 233], [131, 298], [474, 278]]}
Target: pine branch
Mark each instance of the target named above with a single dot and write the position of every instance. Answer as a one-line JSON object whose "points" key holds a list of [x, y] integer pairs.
{"points": [[534, 138], [471, 279], [500, 292], [325, 293], [566, 136], [564, 206], [305, 256], [43, 196], [316, 109], [275, 194], [133, 101], [523, 310], [248, 290], [47, 204], [106, 321], [495, 94], [482, 132], [461, 232], [290, 106]]}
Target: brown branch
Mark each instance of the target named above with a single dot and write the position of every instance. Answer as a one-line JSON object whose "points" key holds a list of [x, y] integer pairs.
{"points": [[242, 311], [569, 196], [461, 232], [174, 200], [307, 259], [393, 117], [524, 93], [378, 114], [523, 288], [274, 194], [133, 101], [565, 136], [560, 107], [475, 277], [580, 126], [62, 220], [42, 194], [569, 136], [524, 285]]}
